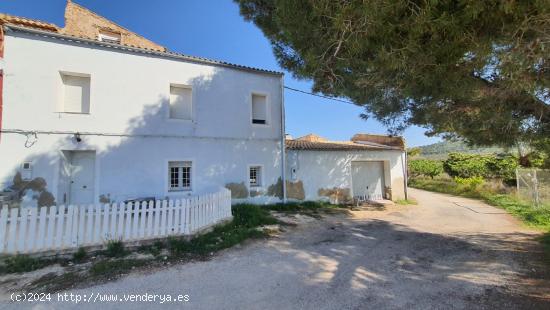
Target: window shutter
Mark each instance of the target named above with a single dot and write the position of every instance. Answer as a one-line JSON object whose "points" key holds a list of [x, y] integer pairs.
{"points": [[77, 94], [259, 109], [180, 103]]}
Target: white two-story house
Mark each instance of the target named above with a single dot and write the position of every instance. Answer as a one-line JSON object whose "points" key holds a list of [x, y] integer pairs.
{"points": [[92, 113]]}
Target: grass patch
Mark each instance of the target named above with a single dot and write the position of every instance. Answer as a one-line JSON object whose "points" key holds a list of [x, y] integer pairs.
{"points": [[305, 206], [115, 248], [246, 220], [406, 202], [247, 215], [155, 249], [114, 267], [23, 263]]}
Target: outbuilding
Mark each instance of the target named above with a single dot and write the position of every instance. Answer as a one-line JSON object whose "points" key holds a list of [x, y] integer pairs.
{"points": [[368, 167]]}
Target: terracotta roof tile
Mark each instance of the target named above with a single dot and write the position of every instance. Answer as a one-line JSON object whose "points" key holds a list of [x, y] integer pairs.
{"points": [[334, 146], [379, 139], [28, 22]]}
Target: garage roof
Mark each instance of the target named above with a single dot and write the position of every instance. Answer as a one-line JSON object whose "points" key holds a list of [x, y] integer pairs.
{"points": [[315, 142]]}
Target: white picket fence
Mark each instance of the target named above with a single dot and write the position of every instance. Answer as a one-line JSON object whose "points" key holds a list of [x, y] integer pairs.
{"points": [[31, 230]]}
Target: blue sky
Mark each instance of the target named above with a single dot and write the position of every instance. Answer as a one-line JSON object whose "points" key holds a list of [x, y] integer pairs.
{"points": [[214, 29]]}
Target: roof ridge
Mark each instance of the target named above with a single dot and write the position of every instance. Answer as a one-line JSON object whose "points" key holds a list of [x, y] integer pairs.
{"points": [[190, 58]]}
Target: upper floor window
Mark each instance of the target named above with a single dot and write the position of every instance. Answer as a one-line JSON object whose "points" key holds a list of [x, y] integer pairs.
{"points": [[179, 175], [259, 109], [76, 93], [109, 36], [181, 106]]}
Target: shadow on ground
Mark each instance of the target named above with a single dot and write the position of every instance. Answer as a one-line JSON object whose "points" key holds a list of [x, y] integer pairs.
{"points": [[385, 265]]}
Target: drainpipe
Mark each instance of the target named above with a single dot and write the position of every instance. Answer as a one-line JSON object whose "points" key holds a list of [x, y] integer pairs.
{"points": [[405, 173], [1, 75], [283, 135]]}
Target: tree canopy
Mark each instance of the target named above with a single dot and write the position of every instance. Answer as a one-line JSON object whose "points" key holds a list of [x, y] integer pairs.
{"points": [[473, 69]]}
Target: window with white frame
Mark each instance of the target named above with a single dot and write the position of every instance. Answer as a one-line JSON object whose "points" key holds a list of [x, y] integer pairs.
{"points": [[76, 93], [179, 175], [259, 109], [181, 106], [255, 174], [109, 36]]}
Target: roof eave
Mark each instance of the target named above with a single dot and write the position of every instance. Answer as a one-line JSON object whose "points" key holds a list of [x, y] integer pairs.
{"points": [[172, 55]]}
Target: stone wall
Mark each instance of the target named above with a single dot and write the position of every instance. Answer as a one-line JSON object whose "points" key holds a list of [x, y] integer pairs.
{"points": [[82, 22]]}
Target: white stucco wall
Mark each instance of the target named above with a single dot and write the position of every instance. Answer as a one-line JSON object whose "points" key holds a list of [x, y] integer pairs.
{"points": [[332, 169], [129, 95]]}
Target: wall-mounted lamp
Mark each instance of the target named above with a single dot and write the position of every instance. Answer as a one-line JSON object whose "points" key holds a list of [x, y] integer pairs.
{"points": [[77, 137]]}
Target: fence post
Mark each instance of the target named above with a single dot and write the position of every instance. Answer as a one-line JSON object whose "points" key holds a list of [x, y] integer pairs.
{"points": [[14, 213], [517, 183], [3, 226], [536, 188]]}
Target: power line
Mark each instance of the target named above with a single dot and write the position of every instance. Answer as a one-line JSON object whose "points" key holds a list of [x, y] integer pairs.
{"points": [[316, 95], [34, 133]]}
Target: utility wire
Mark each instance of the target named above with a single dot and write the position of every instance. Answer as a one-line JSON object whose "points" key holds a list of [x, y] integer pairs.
{"points": [[34, 133], [316, 95]]}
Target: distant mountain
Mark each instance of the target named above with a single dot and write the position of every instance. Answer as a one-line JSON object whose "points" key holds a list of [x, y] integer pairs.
{"points": [[440, 150]]}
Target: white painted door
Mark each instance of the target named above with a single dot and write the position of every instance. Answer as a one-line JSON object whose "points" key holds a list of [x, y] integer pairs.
{"points": [[367, 178], [82, 177]]}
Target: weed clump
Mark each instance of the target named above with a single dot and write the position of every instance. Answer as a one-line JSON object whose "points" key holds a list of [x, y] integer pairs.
{"points": [[23, 263], [80, 255], [115, 248]]}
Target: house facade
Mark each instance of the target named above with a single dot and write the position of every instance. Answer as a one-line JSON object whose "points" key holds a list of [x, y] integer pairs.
{"points": [[96, 114]]}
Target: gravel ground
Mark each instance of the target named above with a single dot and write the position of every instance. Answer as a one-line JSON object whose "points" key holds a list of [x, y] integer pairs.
{"points": [[444, 253]]}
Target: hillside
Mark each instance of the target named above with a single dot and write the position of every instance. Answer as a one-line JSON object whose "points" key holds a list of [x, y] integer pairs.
{"points": [[441, 149]]}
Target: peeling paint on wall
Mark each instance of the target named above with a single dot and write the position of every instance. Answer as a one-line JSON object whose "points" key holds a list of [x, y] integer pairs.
{"points": [[238, 190], [294, 190], [105, 198], [336, 195], [256, 193], [30, 193]]}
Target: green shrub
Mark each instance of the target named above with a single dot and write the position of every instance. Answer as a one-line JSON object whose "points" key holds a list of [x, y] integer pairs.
{"points": [[502, 166], [425, 167], [471, 182], [537, 159], [115, 248], [79, 255], [466, 165]]}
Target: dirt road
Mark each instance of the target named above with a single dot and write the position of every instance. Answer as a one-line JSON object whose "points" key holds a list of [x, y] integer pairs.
{"points": [[444, 253]]}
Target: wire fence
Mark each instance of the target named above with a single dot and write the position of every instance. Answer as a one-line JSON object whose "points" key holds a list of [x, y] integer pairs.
{"points": [[533, 185]]}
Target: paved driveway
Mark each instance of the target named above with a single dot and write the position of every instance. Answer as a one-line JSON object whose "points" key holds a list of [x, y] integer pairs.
{"points": [[445, 253]]}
